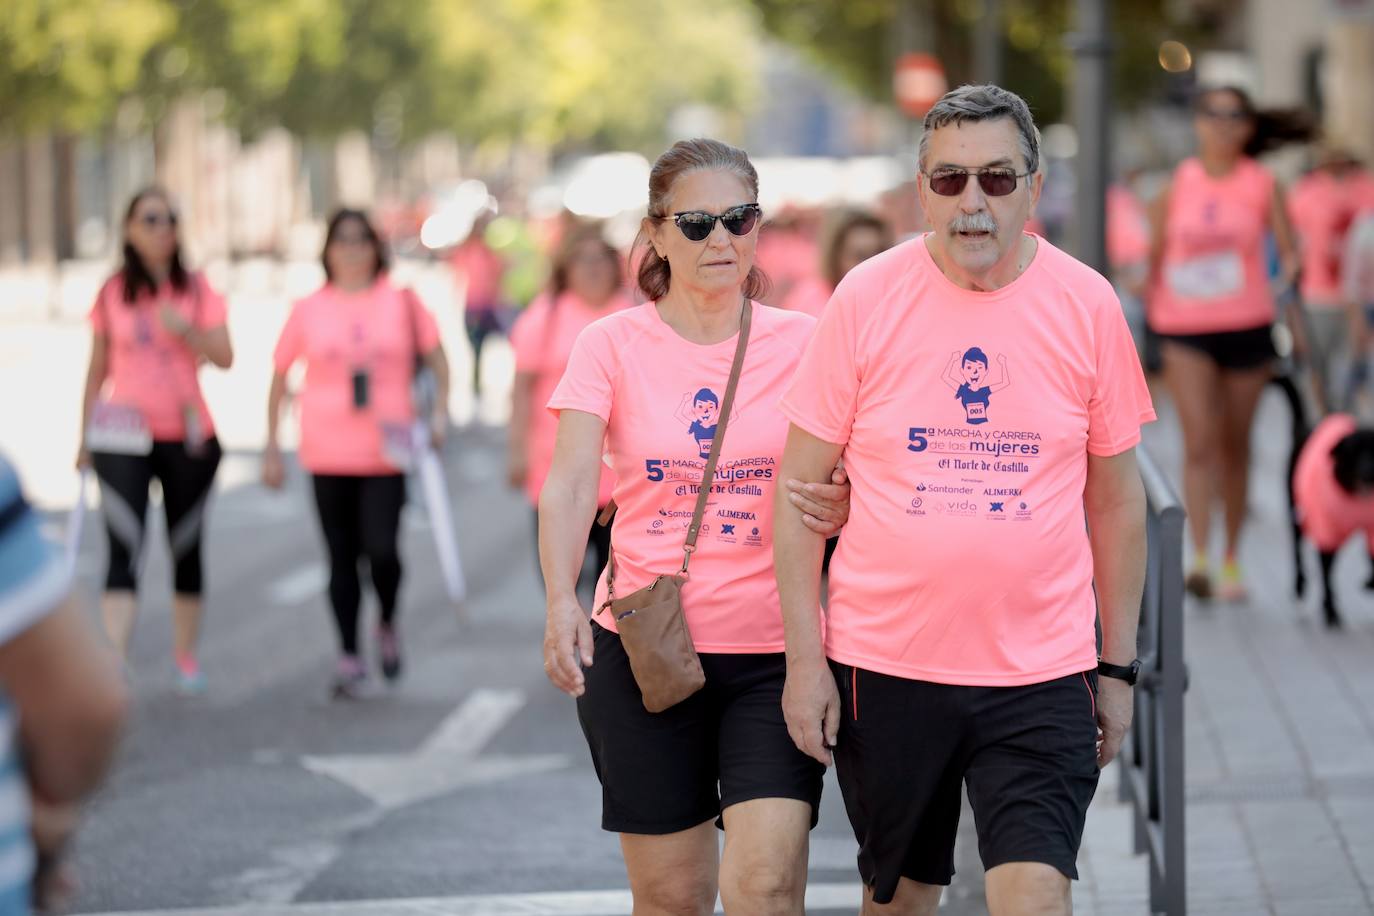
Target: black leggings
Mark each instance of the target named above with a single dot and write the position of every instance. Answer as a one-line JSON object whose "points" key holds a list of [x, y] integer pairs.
{"points": [[361, 518], [598, 541], [186, 481]]}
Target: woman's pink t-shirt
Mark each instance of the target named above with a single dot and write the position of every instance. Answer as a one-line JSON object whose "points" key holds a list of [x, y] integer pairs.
{"points": [[967, 420], [1128, 228], [810, 296], [1322, 210], [1328, 514], [1213, 275], [543, 339], [660, 397], [481, 270], [152, 369], [337, 334]]}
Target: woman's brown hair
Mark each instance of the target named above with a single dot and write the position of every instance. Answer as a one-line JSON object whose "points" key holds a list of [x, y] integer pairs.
{"points": [[1273, 127], [574, 239], [374, 237], [134, 272], [684, 157], [844, 223]]}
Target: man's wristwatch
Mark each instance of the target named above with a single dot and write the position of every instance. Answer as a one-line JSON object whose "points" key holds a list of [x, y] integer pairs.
{"points": [[1128, 673]]}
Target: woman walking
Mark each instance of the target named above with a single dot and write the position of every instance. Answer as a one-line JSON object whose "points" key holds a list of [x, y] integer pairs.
{"points": [[1212, 306], [361, 339], [654, 389], [586, 283], [153, 324]]}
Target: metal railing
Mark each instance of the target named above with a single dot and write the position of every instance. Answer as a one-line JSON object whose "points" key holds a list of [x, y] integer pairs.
{"points": [[1152, 777]]}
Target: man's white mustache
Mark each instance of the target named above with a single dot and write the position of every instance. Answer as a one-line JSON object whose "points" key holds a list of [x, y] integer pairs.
{"points": [[974, 222]]}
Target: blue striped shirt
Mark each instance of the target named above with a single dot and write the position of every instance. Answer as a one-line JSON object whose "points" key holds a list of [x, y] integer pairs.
{"points": [[32, 583]]}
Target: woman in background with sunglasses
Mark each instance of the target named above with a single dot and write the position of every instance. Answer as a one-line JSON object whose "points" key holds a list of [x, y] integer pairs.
{"points": [[153, 324], [645, 386], [1211, 304], [586, 282], [360, 338]]}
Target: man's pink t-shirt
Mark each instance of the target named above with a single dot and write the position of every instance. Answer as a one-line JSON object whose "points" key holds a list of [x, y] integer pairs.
{"points": [[543, 339], [660, 396], [967, 420], [338, 334], [1213, 275], [152, 369], [1328, 514]]}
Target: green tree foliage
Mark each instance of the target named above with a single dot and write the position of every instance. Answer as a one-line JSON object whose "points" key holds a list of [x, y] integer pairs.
{"points": [[548, 72], [858, 39], [66, 64]]}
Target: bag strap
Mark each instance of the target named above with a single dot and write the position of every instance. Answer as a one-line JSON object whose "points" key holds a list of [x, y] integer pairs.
{"points": [[708, 474]]}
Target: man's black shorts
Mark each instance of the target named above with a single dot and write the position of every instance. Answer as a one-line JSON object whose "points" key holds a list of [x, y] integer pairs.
{"points": [[668, 771], [1028, 755]]}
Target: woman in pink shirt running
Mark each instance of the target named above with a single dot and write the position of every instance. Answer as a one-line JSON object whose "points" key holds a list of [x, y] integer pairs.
{"points": [[360, 338], [1211, 305], [154, 323], [585, 283], [644, 387]]}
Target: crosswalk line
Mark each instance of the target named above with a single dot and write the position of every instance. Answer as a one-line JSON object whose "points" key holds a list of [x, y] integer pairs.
{"points": [[553, 903]]}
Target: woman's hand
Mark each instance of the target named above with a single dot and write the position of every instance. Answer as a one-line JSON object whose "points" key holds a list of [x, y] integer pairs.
{"points": [[438, 429], [273, 468], [824, 507], [172, 320], [517, 470], [567, 645], [83, 456]]}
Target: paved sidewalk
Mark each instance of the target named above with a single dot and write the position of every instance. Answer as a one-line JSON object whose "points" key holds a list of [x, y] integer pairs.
{"points": [[1280, 734]]}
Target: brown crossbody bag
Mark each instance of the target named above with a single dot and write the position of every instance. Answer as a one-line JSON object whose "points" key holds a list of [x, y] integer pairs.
{"points": [[652, 627]]}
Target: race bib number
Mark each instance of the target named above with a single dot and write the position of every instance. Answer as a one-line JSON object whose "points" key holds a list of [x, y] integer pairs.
{"points": [[118, 430], [1213, 276], [399, 445]]}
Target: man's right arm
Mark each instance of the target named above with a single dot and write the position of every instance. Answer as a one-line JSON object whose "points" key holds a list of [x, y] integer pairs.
{"points": [[810, 699], [71, 700]]}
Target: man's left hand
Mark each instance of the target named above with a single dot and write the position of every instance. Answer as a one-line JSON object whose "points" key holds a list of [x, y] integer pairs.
{"points": [[1115, 707], [824, 507]]}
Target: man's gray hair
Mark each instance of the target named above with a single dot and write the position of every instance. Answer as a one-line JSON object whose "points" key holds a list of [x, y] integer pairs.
{"points": [[973, 103]]}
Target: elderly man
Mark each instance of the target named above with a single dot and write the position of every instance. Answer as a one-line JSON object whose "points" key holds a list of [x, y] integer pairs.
{"points": [[960, 626]]}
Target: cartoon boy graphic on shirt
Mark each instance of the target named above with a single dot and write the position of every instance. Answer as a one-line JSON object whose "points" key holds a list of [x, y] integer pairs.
{"points": [[967, 373], [701, 416]]}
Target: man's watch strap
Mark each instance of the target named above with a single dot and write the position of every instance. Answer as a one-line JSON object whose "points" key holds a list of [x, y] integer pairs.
{"points": [[1128, 673]]}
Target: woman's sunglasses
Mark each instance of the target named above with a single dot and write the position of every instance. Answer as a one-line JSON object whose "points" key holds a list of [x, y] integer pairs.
{"points": [[154, 220], [1233, 115], [994, 182], [696, 225]]}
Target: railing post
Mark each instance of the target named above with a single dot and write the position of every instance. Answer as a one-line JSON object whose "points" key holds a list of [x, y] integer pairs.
{"points": [[1152, 775]]}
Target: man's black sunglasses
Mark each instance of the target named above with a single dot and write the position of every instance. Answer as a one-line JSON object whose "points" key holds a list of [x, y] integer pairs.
{"points": [[696, 225], [994, 182]]}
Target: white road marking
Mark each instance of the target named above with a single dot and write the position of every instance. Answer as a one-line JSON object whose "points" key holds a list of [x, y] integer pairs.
{"points": [[301, 585], [446, 761], [554, 903]]}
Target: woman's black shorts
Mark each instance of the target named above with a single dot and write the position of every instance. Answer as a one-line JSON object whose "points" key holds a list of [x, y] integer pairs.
{"points": [[1233, 350], [665, 772]]}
